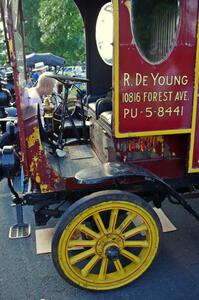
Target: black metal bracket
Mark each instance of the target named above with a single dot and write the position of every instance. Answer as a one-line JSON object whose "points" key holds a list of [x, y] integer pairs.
{"points": [[20, 229], [17, 199]]}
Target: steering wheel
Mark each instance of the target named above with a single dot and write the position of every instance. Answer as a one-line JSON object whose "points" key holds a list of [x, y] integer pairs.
{"points": [[67, 79], [71, 107]]}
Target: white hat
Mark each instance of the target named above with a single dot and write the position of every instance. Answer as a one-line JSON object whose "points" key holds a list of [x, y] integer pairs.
{"points": [[39, 66]]}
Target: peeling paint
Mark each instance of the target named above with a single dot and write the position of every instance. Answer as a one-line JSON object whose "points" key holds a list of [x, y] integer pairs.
{"points": [[34, 163], [40, 170], [38, 179], [45, 189], [11, 48], [34, 138]]}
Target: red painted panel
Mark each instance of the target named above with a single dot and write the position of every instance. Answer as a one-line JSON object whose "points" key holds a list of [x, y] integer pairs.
{"points": [[41, 172], [159, 96], [196, 142]]}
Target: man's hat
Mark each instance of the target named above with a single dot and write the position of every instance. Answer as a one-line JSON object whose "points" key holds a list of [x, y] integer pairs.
{"points": [[39, 66]]}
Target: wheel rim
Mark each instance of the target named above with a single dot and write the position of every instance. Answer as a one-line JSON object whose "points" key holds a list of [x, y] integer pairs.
{"points": [[108, 245]]}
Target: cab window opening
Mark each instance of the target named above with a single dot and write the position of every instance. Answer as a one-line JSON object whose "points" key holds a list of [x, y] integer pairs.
{"points": [[155, 27]]}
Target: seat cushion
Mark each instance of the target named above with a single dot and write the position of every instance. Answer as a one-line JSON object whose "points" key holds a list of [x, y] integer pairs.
{"points": [[106, 117], [102, 105]]}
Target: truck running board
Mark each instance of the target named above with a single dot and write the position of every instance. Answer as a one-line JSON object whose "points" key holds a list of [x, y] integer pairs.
{"points": [[19, 230]]}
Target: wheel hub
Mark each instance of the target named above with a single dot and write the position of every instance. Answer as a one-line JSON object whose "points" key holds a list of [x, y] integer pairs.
{"points": [[109, 245], [112, 253]]}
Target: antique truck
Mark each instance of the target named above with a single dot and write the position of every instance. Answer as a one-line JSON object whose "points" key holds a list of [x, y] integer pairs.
{"points": [[135, 146]]}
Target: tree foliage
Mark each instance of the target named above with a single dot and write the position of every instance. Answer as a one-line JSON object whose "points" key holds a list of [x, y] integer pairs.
{"points": [[3, 50], [62, 29], [54, 26], [32, 31]]}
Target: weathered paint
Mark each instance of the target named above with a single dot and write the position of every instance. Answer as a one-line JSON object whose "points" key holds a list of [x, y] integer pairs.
{"points": [[33, 139], [127, 59], [194, 148], [11, 49], [141, 87], [40, 170], [11, 34]]}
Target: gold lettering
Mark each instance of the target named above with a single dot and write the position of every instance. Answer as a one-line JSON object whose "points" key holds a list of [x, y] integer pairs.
{"points": [[141, 79], [157, 96], [167, 96], [185, 80], [154, 78], [134, 113], [171, 80], [126, 112], [181, 96], [186, 98], [126, 79]]}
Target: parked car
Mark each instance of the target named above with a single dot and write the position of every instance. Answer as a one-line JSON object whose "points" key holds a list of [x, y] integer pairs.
{"points": [[73, 70]]}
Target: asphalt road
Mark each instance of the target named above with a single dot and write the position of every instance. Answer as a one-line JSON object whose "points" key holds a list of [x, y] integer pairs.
{"points": [[24, 275]]}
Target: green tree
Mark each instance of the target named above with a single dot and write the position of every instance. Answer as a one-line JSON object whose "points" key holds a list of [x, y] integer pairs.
{"points": [[62, 29], [32, 31], [3, 50]]}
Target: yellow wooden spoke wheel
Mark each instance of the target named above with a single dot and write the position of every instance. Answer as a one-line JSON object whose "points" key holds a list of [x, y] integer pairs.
{"points": [[106, 240]]}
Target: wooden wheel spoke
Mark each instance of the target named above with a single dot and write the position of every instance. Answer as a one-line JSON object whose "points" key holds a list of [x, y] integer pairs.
{"points": [[135, 231], [118, 266], [90, 265], [103, 269], [130, 256], [136, 244], [113, 220], [99, 223], [84, 229], [81, 243], [81, 256], [129, 218]]}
